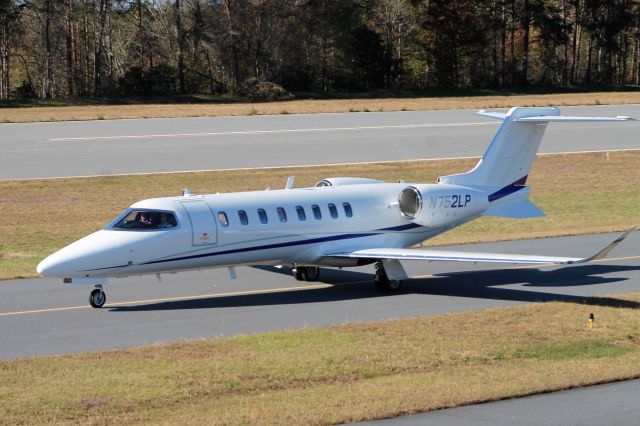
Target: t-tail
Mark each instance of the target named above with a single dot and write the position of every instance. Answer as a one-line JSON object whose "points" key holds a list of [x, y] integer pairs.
{"points": [[503, 169]]}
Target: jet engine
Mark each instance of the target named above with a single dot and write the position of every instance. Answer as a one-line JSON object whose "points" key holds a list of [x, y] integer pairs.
{"points": [[440, 205]]}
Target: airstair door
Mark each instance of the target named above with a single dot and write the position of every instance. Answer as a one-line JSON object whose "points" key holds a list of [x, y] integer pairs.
{"points": [[203, 223]]}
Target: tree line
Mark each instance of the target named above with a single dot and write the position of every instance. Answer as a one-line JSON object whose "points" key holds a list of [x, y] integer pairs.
{"points": [[113, 48]]}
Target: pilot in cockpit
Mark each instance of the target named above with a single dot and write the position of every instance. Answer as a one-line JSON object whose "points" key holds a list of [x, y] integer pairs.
{"points": [[145, 218]]}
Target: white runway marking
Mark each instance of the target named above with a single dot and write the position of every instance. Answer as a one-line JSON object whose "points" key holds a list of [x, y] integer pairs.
{"points": [[259, 132], [304, 166]]}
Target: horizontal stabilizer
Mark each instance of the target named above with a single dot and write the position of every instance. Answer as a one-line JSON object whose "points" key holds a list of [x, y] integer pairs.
{"points": [[566, 118], [475, 257], [519, 209]]}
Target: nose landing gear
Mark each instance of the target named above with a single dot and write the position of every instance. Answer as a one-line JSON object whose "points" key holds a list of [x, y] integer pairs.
{"points": [[97, 297]]}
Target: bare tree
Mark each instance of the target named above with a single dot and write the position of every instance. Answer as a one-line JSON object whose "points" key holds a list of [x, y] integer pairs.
{"points": [[180, 36]]}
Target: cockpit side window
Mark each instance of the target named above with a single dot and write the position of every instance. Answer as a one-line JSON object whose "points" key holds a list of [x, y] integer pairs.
{"points": [[147, 219]]}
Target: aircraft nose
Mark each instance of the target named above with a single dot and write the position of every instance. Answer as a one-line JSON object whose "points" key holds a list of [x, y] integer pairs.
{"points": [[52, 266], [43, 267]]}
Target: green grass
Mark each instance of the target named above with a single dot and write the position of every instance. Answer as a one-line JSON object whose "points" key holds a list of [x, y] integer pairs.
{"points": [[336, 374], [579, 349]]}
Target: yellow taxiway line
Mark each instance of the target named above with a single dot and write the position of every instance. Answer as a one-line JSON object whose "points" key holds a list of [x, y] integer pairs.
{"points": [[251, 292], [172, 299]]}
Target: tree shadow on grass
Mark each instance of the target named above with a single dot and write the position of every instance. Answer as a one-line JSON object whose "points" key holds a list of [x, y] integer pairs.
{"points": [[487, 284]]}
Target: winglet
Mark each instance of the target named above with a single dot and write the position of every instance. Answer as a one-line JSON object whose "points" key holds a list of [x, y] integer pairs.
{"points": [[605, 251]]}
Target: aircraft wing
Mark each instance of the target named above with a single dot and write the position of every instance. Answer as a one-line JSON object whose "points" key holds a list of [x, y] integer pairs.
{"points": [[463, 256]]}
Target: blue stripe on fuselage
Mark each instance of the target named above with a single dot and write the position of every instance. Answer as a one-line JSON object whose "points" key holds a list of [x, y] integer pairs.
{"points": [[266, 247], [291, 243]]}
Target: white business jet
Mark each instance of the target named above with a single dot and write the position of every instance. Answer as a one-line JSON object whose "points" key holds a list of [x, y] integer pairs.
{"points": [[341, 222]]}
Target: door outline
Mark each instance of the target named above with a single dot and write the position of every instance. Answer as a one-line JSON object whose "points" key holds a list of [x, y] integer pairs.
{"points": [[200, 214]]}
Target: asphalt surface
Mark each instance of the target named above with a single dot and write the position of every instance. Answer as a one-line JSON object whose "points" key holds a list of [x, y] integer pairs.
{"points": [[613, 404], [42, 316], [104, 147]]}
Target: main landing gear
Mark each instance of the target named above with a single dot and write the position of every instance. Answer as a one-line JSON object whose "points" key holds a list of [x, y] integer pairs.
{"points": [[97, 297], [306, 273], [382, 281]]}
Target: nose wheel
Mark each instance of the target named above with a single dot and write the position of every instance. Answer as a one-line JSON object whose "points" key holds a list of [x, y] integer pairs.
{"points": [[97, 297]]}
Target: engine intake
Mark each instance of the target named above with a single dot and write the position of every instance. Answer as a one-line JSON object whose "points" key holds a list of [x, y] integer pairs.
{"points": [[410, 202]]}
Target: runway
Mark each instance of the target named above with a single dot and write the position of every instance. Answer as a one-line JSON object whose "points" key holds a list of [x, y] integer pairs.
{"points": [[104, 147], [41, 316], [612, 404]]}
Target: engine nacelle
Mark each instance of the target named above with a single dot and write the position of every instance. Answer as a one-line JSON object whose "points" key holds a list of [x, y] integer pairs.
{"points": [[436, 205], [340, 181]]}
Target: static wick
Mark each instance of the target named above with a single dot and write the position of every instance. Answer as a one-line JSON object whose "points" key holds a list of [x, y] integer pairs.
{"points": [[591, 319]]}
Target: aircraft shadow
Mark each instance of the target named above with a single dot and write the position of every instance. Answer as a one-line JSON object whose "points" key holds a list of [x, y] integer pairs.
{"points": [[487, 284]]}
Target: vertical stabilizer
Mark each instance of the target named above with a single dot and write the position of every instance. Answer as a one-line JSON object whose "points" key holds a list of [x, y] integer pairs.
{"points": [[507, 161], [511, 152]]}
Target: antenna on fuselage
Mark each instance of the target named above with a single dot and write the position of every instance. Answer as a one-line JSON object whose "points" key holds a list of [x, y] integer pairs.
{"points": [[290, 181], [186, 192]]}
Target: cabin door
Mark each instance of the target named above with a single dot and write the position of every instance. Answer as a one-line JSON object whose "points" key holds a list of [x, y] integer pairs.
{"points": [[203, 222]]}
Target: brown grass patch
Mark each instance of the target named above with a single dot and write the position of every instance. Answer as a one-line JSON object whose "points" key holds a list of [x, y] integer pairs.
{"points": [[337, 374], [109, 112], [575, 190]]}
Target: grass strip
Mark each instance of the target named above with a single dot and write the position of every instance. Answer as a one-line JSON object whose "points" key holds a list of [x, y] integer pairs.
{"points": [[309, 106], [338, 374], [575, 190]]}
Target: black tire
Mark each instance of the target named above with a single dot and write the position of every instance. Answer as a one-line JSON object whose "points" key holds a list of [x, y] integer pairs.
{"points": [[394, 285], [381, 280], [311, 273], [97, 298], [307, 273]]}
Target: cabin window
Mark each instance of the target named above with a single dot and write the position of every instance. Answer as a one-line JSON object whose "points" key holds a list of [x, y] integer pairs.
{"points": [[222, 217], [263, 216], [244, 219], [282, 215], [316, 211], [302, 216], [145, 219], [347, 209], [333, 211]]}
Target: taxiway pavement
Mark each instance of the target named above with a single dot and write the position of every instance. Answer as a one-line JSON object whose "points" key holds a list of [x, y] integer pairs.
{"points": [[42, 316], [611, 404], [106, 147]]}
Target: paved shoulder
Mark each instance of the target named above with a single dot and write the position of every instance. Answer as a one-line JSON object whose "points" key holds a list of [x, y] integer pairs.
{"points": [[611, 404]]}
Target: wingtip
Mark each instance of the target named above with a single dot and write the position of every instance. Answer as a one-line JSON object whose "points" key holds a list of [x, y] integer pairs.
{"points": [[605, 251]]}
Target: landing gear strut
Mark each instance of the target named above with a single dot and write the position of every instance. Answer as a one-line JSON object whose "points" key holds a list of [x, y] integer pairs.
{"points": [[307, 273], [97, 297], [382, 281]]}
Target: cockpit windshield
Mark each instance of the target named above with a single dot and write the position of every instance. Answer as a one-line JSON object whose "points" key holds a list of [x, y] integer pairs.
{"points": [[145, 219]]}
